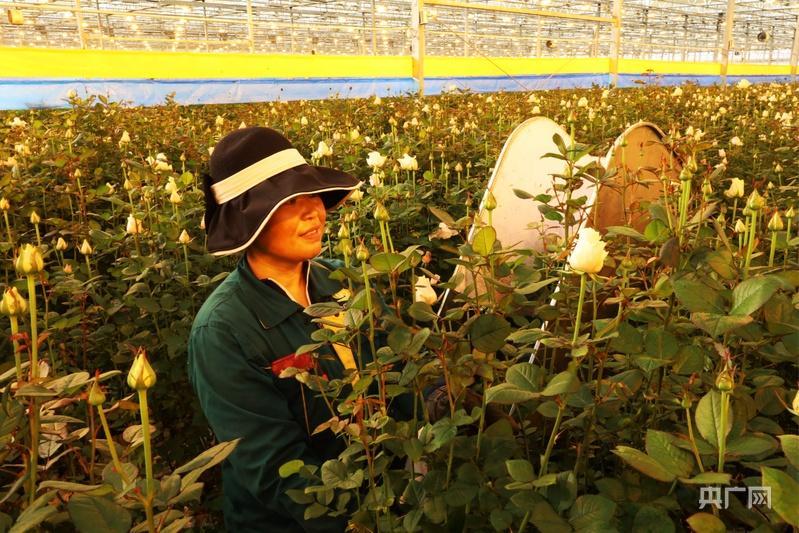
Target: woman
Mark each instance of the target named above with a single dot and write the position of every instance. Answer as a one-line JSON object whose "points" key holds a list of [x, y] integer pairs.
{"points": [[262, 198]]}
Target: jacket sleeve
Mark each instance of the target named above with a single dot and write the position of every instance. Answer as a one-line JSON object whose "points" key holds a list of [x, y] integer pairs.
{"points": [[240, 399]]}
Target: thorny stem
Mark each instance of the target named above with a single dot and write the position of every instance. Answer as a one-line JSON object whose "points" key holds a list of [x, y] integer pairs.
{"points": [[693, 441], [111, 446], [579, 309], [751, 244], [725, 406], [148, 458], [552, 436], [15, 345]]}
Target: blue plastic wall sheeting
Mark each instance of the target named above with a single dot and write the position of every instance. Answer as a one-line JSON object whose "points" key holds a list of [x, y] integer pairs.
{"points": [[26, 93], [514, 83]]}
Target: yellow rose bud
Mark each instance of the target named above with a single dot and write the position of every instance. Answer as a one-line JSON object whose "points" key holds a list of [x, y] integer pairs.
{"points": [[589, 253], [381, 213], [740, 227], [4, 204], [343, 232], [127, 185], [35, 218], [61, 244], [362, 252], [755, 202], [13, 304], [790, 213], [67, 269], [725, 381], [795, 403], [184, 237], [491, 202], [776, 224], [86, 248], [96, 395], [175, 197], [30, 260], [345, 245], [736, 189], [141, 375]]}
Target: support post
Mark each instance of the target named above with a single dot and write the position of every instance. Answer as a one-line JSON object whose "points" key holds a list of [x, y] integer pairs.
{"points": [[250, 30], [79, 20], [795, 50], [418, 21], [374, 30], [615, 43], [725, 53]]}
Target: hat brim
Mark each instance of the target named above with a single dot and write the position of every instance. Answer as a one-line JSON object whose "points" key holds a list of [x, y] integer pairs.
{"points": [[236, 223]]}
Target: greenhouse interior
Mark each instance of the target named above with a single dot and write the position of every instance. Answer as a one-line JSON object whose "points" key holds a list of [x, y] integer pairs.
{"points": [[399, 265]]}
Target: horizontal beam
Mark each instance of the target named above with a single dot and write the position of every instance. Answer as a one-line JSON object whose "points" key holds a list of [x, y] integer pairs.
{"points": [[517, 10]]}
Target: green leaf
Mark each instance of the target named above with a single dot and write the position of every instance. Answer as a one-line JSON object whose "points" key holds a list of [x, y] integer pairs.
{"points": [[751, 444], [335, 475], [500, 519], [483, 242], [524, 376], [507, 394], [562, 383], [35, 513], [290, 468], [677, 461], [323, 309], [626, 232], [96, 490], [644, 463], [656, 231], [721, 263], [520, 470], [706, 523], [422, 312], [535, 287], [716, 325], [708, 418], [209, 458], [442, 215], [544, 517], [386, 262], [750, 295], [784, 494], [34, 391], [708, 478], [790, 446], [488, 333], [650, 519], [460, 494], [590, 510], [697, 297], [93, 514]]}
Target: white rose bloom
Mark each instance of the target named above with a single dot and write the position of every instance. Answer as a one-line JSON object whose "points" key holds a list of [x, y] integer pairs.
{"points": [[736, 141], [375, 160], [443, 232], [589, 253], [744, 84], [134, 226], [408, 162], [424, 291]]}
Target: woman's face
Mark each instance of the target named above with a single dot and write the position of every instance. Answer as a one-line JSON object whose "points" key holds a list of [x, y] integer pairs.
{"points": [[294, 233]]}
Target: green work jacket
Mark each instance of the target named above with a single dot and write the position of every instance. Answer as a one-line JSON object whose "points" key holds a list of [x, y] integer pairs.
{"points": [[243, 327]]}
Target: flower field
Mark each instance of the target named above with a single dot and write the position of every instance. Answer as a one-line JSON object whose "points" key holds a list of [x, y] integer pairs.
{"points": [[661, 377]]}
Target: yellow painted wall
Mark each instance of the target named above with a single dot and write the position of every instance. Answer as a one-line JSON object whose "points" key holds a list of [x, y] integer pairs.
{"points": [[115, 64]]}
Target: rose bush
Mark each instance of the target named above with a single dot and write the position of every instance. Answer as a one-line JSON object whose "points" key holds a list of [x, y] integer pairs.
{"points": [[678, 371]]}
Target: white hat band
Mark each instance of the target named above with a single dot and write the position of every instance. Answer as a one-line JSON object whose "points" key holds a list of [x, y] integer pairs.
{"points": [[247, 178]]}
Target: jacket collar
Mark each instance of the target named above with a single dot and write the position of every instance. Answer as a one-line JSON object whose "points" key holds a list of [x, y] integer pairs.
{"points": [[270, 302]]}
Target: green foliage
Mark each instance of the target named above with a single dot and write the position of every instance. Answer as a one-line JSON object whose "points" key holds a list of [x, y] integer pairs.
{"points": [[630, 404]]}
